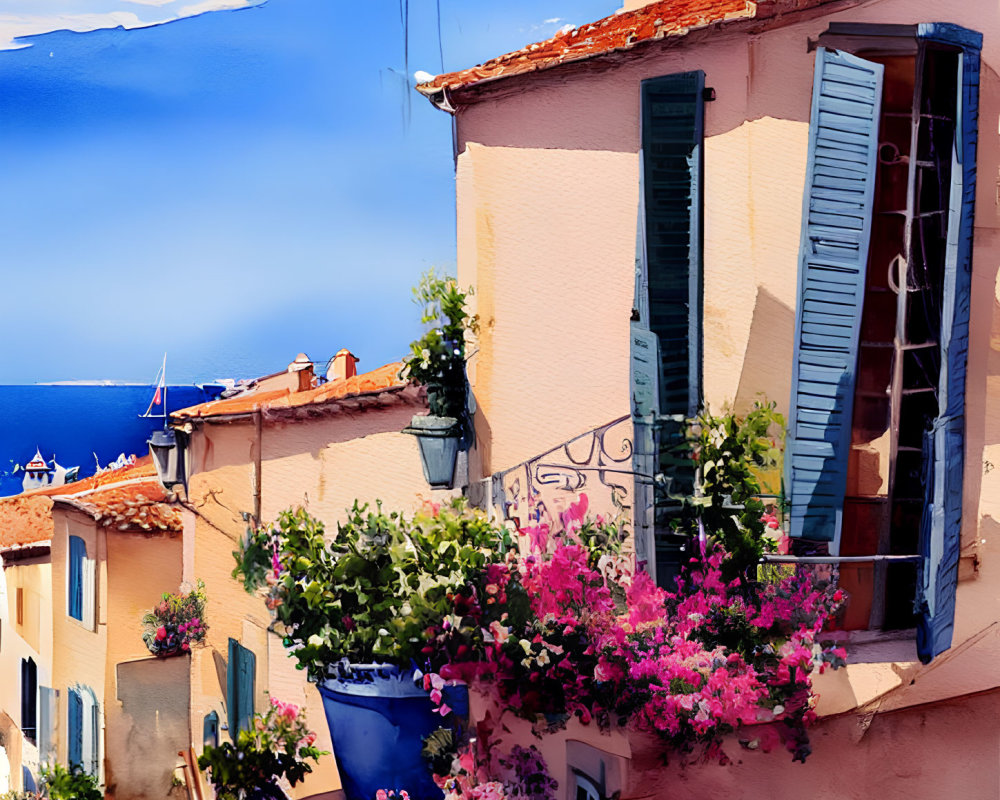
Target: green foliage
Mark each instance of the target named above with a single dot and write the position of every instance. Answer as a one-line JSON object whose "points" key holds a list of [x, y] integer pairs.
{"points": [[373, 591], [437, 359], [276, 744], [731, 453], [440, 748], [62, 783]]}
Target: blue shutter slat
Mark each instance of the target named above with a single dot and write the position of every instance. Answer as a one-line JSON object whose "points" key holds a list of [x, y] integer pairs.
{"points": [[672, 133], [836, 226], [77, 553], [941, 524], [248, 665], [75, 753], [232, 701]]}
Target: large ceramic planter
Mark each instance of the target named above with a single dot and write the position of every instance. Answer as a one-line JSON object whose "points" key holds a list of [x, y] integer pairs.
{"points": [[378, 719]]}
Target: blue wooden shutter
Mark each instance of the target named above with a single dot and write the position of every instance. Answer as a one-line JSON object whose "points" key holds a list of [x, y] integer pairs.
{"points": [[836, 226], [75, 719], [232, 711], [240, 687], [672, 167], [941, 525], [77, 555], [245, 688]]}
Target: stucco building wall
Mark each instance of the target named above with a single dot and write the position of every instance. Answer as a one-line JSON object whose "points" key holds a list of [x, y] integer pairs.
{"points": [[31, 639], [141, 758], [82, 653], [548, 189]]}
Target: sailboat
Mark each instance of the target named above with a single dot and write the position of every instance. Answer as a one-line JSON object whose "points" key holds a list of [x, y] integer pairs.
{"points": [[159, 395]]}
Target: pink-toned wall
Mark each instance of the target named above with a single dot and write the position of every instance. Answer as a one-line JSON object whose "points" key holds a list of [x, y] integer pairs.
{"points": [[323, 464], [547, 191]]}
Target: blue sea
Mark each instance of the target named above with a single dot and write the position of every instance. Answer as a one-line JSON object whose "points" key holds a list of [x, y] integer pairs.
{"points": [[81, 424]]}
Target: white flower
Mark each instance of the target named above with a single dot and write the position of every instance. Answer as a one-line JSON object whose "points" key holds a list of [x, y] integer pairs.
{"points": [[543, 658], [315, 640]]}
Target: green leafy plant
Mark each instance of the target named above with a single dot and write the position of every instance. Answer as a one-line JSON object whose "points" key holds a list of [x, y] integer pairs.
{"points": [[69, 783], [371, 592], [731, 453], [437, 359], [176, 623], [277, 745]]}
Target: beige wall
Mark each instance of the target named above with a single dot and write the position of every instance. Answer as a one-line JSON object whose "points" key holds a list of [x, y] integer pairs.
{"points": [[140, 568], [150, 725], [81, 654], [32, 639], [547, 187]]}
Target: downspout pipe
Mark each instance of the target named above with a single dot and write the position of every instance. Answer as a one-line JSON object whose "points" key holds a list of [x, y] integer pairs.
{"points": [[257, 466]]}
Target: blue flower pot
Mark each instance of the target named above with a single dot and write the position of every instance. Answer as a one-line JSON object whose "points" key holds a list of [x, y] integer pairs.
{"points": [[378, 719]]}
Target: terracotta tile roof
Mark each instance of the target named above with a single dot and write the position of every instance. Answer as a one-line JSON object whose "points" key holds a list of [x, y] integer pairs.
{"points": [[25, 519], [621, 31], [142, 468], [379, 380], [130, 495], [137, 506], [618, 32]]}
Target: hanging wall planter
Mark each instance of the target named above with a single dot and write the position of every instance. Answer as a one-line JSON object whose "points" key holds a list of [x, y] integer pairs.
{"points": [[439, 439]]}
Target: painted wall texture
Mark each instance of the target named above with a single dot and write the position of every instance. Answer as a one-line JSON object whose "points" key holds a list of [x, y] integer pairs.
{"points": [[548, 189], [31, 638], [142, 741]]}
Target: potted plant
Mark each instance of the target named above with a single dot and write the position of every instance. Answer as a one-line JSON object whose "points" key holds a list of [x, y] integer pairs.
{"points": [[437, 361], [176, 623], [276, 748], [354, 612]]}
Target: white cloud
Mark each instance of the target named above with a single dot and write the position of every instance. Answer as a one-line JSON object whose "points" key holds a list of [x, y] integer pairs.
{"points": [[213, 5], [30, 18]]}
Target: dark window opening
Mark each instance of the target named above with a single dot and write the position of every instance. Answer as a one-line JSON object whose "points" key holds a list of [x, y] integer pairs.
{"points": [[29, 699], [899, 353]]}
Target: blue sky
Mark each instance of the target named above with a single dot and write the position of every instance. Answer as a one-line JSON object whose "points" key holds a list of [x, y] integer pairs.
{"points": [[232, 187]]}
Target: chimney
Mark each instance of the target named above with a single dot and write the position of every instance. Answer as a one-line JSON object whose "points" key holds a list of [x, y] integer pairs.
{"points": [[342, 366], [304, 367]]}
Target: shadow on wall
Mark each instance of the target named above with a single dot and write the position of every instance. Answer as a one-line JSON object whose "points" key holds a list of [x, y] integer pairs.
{"points": [[144, 739], [766, 368]]}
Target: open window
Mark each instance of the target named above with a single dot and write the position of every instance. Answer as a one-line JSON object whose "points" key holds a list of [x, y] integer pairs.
{"points": [[29, 699], [876, 434]]}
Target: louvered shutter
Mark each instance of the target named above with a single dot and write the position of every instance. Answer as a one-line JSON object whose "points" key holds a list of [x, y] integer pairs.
{"points": [[74, 597], [47, 703], [88, 572], [240, 687], [836, 226], [941, 534], [248, 668], [672, 134], [75, 724]]}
